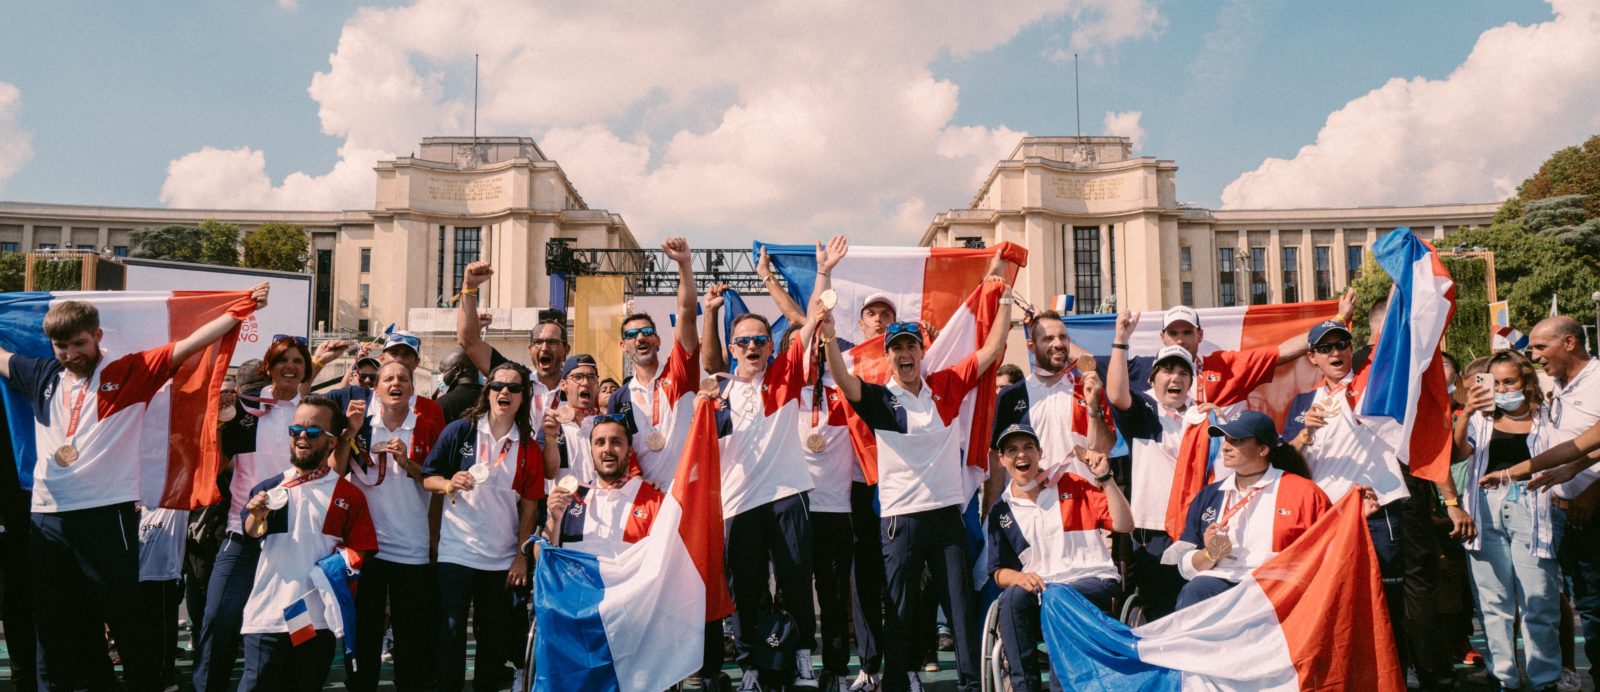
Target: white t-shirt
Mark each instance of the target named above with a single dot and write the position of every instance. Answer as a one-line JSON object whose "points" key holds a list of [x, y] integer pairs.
{"points": [[163, 534], [834, 468], [1573, 408], [605, 522], [1344, 453], [763, 459], [480, 528], [665, 404]]}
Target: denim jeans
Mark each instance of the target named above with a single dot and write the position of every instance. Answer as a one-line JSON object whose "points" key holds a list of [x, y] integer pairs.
{"points": [[1508, 579]]}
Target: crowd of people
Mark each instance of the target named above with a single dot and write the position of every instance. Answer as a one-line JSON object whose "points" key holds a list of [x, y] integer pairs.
{"points": [[444, 501]]}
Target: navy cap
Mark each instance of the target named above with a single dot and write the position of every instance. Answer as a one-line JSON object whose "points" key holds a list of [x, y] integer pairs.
{"points": [[1247, 425], [1325, 328], [576, 361], [1015, 429], [368, 360]]}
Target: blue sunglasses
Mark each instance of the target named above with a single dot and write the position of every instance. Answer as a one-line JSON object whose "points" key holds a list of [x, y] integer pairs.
{"points": [[311, 432], [637, 332], [610, 418], [904, 328], [289, 337], [746, 341]]}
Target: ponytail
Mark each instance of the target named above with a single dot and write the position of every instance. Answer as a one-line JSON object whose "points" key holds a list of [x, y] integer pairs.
{"points": [[1286, 458]]}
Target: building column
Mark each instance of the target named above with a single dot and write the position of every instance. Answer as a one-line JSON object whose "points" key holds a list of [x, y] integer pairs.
{"points": [[1274, 266], [27, 238], [1069, 267], [66, 236], [103, 242]]}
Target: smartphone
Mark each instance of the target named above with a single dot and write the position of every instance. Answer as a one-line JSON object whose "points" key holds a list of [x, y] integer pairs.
{"points": [[1484, 380]]}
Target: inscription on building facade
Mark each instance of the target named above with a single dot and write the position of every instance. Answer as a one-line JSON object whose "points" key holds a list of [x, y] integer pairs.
{"points": [[1089, 190], [445, 190]]}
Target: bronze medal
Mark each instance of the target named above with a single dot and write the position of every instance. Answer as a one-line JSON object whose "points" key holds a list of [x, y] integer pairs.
{"points": [[655, 441], [66, 455], [565, 415], [1085, 363], [815, 443], [708, 386]]}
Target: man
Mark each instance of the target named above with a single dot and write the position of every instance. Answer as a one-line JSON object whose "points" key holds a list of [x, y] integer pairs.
{"points": [[1342, 453], [1009, 375], [547, 343], [364, 373], [395, 437], [1557, 343], [921, 481], [300, 518], [404, 347], [765, 482], [659, 400], [1057, 398], [83, 546], [614, 510], [459, 384], [1047, 531], [564, 432]]}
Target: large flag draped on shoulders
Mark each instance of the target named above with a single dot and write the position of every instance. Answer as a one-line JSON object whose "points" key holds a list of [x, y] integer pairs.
{"points": [[1312, 618], [1405, 395], [637, 621], [940, 287], [178, 453]]}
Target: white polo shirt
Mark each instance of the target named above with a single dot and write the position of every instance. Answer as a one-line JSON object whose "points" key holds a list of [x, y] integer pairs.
{"points": [[606, 521], [763, 459], [1057, 412], [1250, 530], [834, 468], [398, 503], [1057, 536], [480, 527], [920, 440], [577, 455], [322, 514], [1572, 408], [664, 404], [1154, 434], [1345, 453]]}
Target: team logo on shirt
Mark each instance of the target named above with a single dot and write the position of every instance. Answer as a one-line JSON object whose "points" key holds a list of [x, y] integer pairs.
{"points": [[1284, 512], [1213, 377], [1005, 521], [577, 510], [638, 514], [466, 449], [341, 503], [247, 421], [50, 390], [1209, 515], [1022, 405], [110, 387]]}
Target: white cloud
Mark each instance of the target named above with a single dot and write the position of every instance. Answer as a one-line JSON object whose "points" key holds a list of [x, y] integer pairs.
{"points": [[289, 5], [1125, 124], [729, 120], [1522, 93], [16, 143]]}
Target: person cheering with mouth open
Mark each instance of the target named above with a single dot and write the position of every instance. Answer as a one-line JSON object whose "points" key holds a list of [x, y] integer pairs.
{"points": [[920, 480], [547, 343], [564, 431]]}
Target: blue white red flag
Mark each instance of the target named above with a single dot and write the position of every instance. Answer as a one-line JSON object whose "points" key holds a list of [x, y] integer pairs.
{"points": [[336, 577], [178, 452], [1405, 395], [298, 617], [636, 621], [1312, 618]]}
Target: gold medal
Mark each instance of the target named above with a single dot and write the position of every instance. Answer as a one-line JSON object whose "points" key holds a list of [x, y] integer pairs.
{"points": [[66, 455], [815, 443], [1085, 363], [708, 386], [655, 441]]}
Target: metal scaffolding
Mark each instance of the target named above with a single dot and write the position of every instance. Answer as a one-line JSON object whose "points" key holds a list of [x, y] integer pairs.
{"points": [[649, 272]]}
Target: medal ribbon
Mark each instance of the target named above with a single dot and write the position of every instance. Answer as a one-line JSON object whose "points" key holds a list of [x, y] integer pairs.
{"points": [[266, 402], [305, 478], [1238, 506], [77, 409], [655, 402]]}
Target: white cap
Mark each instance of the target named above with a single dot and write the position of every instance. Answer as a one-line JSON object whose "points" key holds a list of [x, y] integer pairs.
{"points": [[882, 298], [1180, 313], [1178, 352]]}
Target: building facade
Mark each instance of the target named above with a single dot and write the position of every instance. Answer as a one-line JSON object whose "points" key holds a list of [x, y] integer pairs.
{"points": [[1106, 227]]}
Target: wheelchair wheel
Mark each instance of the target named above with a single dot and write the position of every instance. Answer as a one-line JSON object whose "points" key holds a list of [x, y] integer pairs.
{"points": [[1133, 611], [992, 673], [527, 654]]}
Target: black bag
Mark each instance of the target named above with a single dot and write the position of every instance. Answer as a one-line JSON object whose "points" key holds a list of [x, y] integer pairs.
{"points": [[778, 642]]}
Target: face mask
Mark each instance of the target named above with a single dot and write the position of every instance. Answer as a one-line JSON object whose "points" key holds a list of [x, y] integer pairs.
{"points": [[1451, 389], [1508, 401], [440, 384]]}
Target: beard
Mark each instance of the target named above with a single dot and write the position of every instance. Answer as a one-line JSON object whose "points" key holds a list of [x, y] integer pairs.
{"points": [[310, 462], [621, 470]]}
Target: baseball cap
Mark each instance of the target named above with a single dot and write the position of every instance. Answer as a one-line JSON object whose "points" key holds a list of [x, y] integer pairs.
{"points": [[402, 338], [1178, 352], [1246, 425], [1180, 313], [575, 361], [1325, 328], [368, 360], [909, 330], [884, 298], [1015, 429]]}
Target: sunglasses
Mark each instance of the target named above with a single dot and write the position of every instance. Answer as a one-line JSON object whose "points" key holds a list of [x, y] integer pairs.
{"points": [[311, 432], [368, 379], [904, 328], [289, 337], [747, 341], [498, 386], [403, 340], [637, 332], [1331, 346], [610, 418]]}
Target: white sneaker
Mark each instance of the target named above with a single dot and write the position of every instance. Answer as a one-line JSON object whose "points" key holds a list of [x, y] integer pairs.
{"points": [[751, 682], [865, 682], [519, 680], [914, 684], [1569, 681], [804, 676]]}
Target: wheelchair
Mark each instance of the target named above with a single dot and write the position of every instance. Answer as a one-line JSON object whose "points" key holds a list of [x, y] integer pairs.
{"points": [[993, 672]]}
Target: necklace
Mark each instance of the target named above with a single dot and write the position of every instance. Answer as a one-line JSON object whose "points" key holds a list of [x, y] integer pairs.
{"points": [[1524, 416]]}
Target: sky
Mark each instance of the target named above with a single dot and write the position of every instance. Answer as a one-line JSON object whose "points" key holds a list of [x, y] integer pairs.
{"points": [[727, 121]]}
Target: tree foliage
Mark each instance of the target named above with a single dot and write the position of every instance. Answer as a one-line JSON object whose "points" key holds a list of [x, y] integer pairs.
{"points": [[213, 242], [13, 270], [219, 243], [1571, 171], [278, 246], [58, 274]]}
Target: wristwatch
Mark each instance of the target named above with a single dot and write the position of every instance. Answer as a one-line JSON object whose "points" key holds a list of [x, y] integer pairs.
{"points": [[1102, 479]]}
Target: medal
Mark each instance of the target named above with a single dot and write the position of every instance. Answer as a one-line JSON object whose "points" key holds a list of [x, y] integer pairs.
{"points": [[815, 443], [829, 299], [66, 455], [277, 498], [479, 473], [1085, 363], [708, 386], [655, 441], [565, 415], [569, 484]]}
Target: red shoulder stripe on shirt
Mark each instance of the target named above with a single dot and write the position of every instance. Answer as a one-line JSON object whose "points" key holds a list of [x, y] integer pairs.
{"points": [[348, 519], [642, 514]]}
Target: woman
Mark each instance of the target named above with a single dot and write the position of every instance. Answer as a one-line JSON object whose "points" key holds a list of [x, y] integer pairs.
{"points": [[491, 471], [256, 439], [1513, 559], [1224, 539]]}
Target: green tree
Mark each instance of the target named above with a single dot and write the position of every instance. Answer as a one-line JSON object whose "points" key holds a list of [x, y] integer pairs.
{"points": [[58, 274], [1571, 171], [277, 246], [177, 243], [219, 243], [13, 270], [1468, 334]]}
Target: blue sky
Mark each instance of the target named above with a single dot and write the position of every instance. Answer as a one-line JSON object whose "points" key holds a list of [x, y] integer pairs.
{"points": [[722, 120]]}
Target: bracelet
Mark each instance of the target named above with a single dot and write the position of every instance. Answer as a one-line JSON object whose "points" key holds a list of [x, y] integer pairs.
{"points": [[317, 363], [469, 291], [1117, 346], [1006, 301], [1453, 502], [820, 273], [1210, 557], [768, 277], [1102, 479], [825, 340]]}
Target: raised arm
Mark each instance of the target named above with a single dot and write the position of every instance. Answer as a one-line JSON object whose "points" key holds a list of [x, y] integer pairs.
{"points": [[713, 358], [677, 250], [780, 297], [552, 443], [848, 383], [355, 414], [213, 330], [1116, 502], [1100, 436], [1296, 346], [469, 330], [994, 345], [1117, 390]]}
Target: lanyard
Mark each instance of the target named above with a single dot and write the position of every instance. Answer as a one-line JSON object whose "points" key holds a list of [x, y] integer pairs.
{"points": [[655, 402], [77, 408], [305, 478], [501, 458], [1238, 506], [266, 402]]}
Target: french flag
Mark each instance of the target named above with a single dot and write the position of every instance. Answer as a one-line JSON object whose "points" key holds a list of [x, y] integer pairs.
{"points": [[637, 621], [336, 577], [1312, 618], [178, 453], [940, 287], [298, 616], [1406, 396]]}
